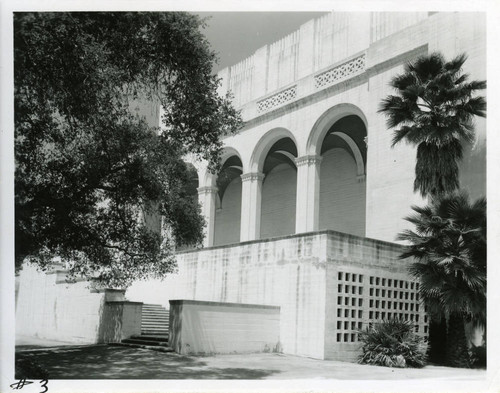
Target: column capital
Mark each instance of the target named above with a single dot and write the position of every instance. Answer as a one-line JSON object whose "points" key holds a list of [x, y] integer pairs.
{"points": [[308, 160], [207, 190], [252, 176]]}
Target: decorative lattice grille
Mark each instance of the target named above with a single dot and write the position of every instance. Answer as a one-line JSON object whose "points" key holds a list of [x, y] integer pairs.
{"points": [[364, 300], [393, 298], [277, 99], [349, 306], [340, 72]]}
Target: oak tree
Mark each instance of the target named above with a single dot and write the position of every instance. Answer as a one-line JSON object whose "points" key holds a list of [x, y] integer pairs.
{"points": [[90, 170]]}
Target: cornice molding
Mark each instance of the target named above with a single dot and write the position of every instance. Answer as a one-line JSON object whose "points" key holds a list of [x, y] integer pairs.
{"points": [[308, 160], [252, 176]]}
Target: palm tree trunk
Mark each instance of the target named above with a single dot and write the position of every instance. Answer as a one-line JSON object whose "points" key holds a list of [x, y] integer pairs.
{"points": [[437, 341], [457, 354]]}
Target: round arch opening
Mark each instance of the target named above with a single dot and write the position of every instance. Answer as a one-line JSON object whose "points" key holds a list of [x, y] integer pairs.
{"points": [[279, 190], [228, 202], [342, 196]]}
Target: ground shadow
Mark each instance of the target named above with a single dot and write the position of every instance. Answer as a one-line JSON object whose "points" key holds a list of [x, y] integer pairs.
{"points": [[109, 362]]}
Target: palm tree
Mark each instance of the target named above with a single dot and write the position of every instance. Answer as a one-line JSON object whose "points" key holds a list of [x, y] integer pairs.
{"points": [[449, 245], [434, 110]]}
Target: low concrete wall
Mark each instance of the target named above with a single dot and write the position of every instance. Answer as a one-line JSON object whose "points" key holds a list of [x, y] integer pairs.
{"points": [[57, 311], [198, 327], [120, 319]]}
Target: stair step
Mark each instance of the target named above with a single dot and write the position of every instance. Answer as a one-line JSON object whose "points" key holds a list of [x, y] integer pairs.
{"points": [[155, 321], [151, 337], [144, 342], [155, 325], [153, 307], [163, 321], [146, 331], [150, 347]]}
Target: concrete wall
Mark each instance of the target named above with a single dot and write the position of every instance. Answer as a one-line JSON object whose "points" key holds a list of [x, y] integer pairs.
{"points": [[342, 198], [366, 283], [120, 319], [287, 272], [210, 327], [65, 312], [50, 308], [298, 273]]}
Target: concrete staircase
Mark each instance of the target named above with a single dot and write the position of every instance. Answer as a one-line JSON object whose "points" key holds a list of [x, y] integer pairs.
{"points": [[154, 320], [154, 330]]}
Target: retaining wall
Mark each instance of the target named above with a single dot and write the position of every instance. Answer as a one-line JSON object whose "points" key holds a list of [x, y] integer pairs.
{"points": [[50, 308], [212, 327], [300, 274]]}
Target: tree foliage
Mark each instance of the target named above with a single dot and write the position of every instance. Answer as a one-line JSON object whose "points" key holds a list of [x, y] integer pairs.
{"points": [[449, 245], [89, 167], [433, 109]]}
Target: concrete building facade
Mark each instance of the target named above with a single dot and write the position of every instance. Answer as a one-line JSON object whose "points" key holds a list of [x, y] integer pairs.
{"points": [[315, 153], [311, 191]]}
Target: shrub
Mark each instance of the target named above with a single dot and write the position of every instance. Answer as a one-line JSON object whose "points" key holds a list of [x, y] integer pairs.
{"points": [[392, 343]]}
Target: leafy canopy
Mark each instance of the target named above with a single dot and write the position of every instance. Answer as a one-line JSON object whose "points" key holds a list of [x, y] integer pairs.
{"points": [[433, 109], [91, 170]]}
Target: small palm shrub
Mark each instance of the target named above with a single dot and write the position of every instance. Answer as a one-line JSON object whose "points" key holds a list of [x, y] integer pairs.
{"points": [[392, 343]]}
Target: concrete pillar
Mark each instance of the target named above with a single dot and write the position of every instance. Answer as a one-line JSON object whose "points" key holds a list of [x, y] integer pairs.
{"points": [[251, 198], [307, 213], [206, 197]]}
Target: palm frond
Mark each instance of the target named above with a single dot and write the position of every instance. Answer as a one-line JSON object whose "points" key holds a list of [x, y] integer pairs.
{"points": [[400, 135], [476, 85], [427, 67], [456, 64], [401, 82], [474, 106], [461, 79]]}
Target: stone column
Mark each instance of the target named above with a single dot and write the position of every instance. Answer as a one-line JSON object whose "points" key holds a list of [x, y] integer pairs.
{"points": [[206, 197], [251, 197], [307, 213]]}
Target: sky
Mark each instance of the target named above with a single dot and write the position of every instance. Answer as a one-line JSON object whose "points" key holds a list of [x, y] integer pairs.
{"points": [[237, 35]]}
